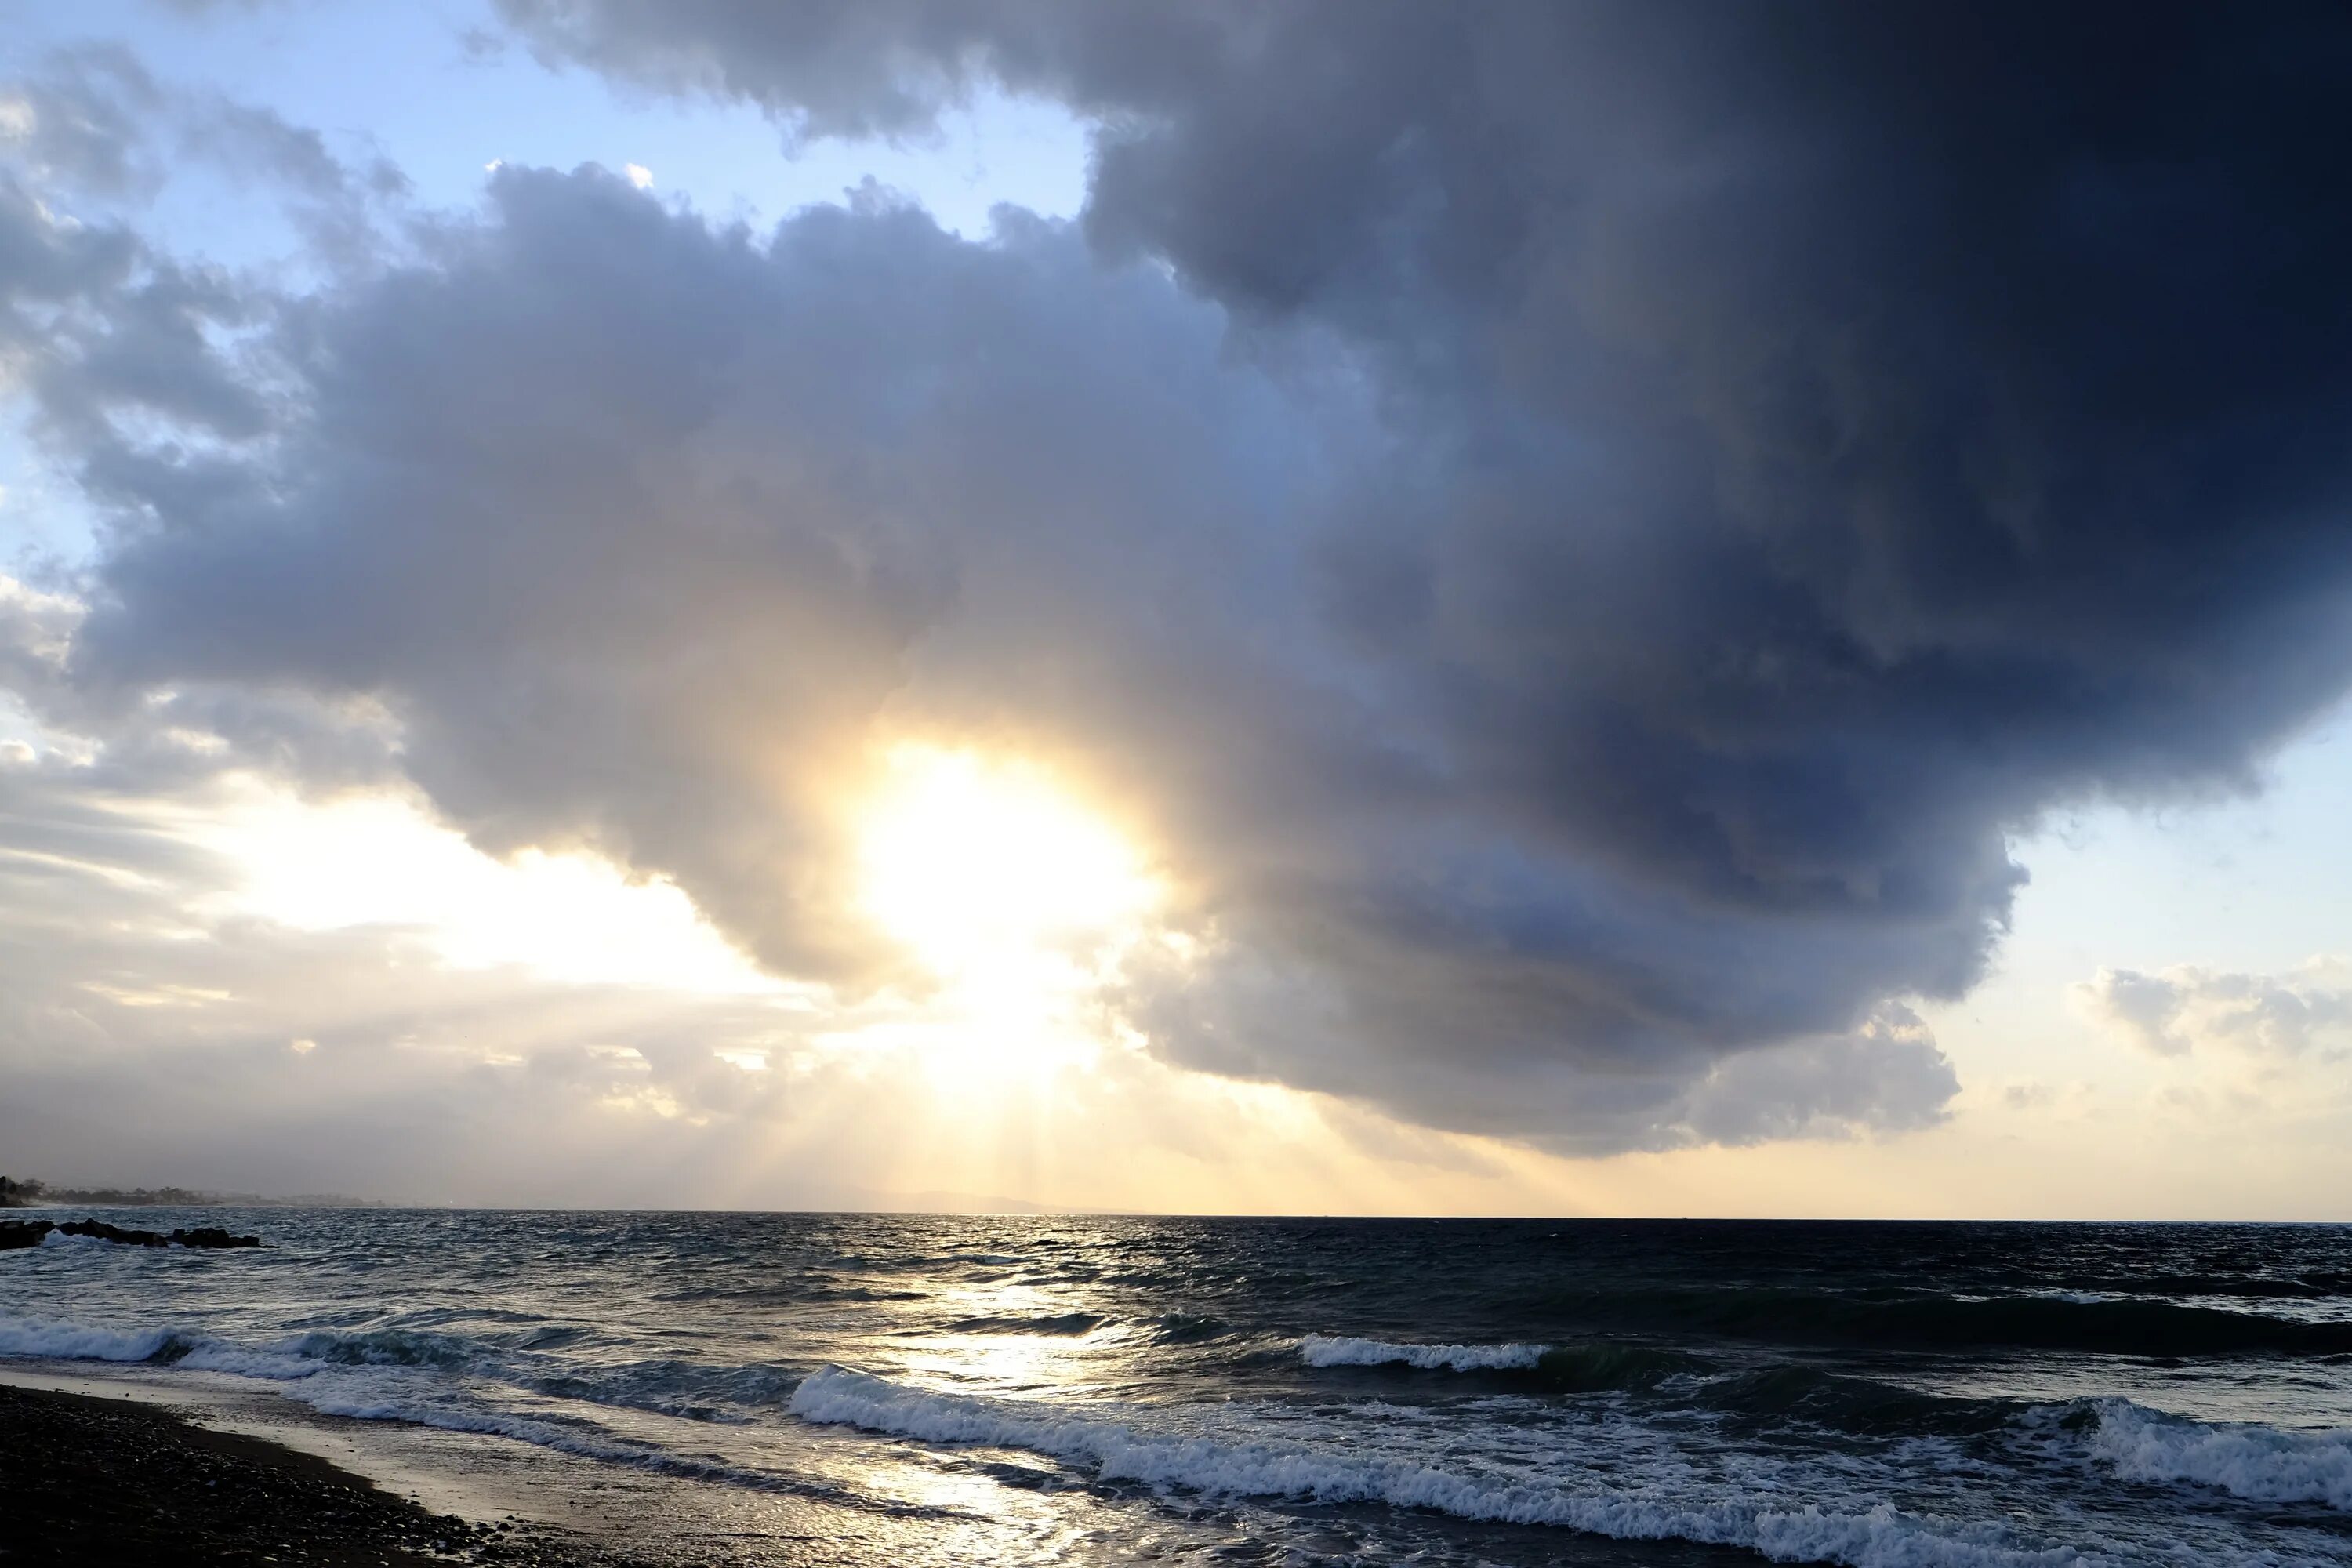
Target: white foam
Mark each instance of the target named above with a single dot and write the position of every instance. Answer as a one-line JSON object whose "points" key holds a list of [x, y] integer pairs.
{"points": [[362, 1403], [1328, 1350], [363, 1385], [218, 1355], [2263, 1463], [42, 1338], [355, 1399], [1877, 1537], [63, 1238]]}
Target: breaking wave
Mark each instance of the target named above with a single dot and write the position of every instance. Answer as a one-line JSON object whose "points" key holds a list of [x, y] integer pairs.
{"points": [[2262, 1462], [688, 1390], [1326, 1350], [1879, 1536], [40, 1338]]}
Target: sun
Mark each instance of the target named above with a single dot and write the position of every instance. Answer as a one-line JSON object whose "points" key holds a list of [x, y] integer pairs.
{"points": [[982, 866]]}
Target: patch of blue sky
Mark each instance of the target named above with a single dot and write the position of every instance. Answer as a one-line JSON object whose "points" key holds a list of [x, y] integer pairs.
{"points": [[436, 90]]}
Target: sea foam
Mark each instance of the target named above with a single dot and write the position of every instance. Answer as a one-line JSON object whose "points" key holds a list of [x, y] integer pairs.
{"points": [[1876, 1536], [374, 1375], [1328, 1350], [71, 1238], [2263, 1463]]}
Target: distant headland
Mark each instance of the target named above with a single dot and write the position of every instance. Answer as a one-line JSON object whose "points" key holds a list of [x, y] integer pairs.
{"points": [[31, 1194]]}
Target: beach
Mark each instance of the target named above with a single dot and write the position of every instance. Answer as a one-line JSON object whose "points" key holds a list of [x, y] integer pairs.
{"points": [[97, 1478]]}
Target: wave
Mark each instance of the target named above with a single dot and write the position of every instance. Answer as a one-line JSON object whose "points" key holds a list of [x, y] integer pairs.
{"points": [[690, 1391], [303, 1354], [2263, 1463], [1328, 1350], [1188, 1328], [1783, 1392], [586, 1442], [1848, 1403], [1880, 1536], [364, 1377], [578, 1440], [1606, 1364], [46, 1339], [431, 1378], [2049, 1323], [2315, 1284], [1593, 1367]]}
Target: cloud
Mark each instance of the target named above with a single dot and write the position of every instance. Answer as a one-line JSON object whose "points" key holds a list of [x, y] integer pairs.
{"points": [[2187, 1010], [96, 326], [83, 120], [154, 1032], [104, 330], [874, 478], [1575, 533]]}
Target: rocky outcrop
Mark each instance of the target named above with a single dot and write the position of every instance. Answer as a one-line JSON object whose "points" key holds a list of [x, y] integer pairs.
{"points": [[210, 1235], [28, 1233]]}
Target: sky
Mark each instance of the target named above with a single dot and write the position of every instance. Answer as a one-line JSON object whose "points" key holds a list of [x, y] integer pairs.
{"points": [[1339, 608]]}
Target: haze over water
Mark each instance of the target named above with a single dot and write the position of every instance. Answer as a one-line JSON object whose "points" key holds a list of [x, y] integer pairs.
{"points": [[911, 1389]]}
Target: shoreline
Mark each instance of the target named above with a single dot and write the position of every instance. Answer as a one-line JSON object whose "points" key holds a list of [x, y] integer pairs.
{"points": [[557, 1509], [90, 1476]]}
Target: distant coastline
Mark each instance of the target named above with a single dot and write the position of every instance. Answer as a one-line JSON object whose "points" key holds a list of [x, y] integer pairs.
{"points": [[33, 1194]]}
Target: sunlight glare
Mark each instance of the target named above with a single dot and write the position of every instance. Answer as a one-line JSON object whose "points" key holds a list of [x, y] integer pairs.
{"points": [[975, 866]]}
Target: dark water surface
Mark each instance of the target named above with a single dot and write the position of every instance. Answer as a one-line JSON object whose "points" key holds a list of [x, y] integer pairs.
{"points": [[1083, 1389]]}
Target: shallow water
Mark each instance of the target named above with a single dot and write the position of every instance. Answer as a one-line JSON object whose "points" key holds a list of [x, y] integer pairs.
{"points": [[1111, 1389]]}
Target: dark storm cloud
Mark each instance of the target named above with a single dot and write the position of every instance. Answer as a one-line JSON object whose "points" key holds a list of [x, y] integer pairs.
{"points": [[1640, 503], [1841, 432]]}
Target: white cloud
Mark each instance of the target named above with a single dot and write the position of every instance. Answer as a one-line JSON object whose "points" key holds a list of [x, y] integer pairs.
{"points": [[380, 859], [2185, 1009], [639, 175]]}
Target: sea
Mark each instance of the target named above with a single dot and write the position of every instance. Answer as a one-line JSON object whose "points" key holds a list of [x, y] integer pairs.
{"points": [[875, 1389]]}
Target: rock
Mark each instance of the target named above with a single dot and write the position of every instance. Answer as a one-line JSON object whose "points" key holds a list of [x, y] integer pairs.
{"points": [[24, 1232], [105, 1232], [28, 1233], [211, 1236]]}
